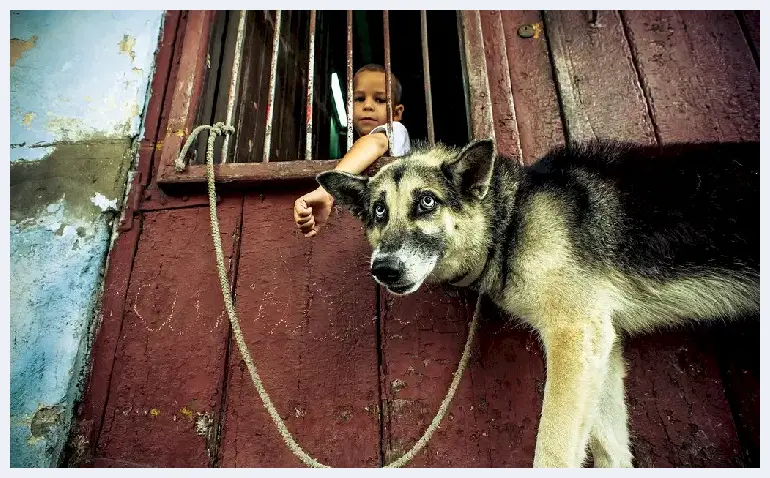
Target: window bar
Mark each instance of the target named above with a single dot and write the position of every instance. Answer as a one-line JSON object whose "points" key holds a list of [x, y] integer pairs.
{"points": [[426, 76], [271, 90], [309, 95], [388, 80], [234, 80], [350, 78]]}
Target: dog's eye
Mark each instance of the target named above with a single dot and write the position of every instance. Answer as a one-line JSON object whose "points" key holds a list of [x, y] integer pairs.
{"points": [[427, 202], [379, 211]]}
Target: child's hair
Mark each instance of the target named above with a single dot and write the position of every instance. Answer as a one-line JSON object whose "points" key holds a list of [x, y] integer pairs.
{"points": [[395, 84]]}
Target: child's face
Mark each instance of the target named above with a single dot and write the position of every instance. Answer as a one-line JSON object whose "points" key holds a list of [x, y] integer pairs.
{"points": [[369, 102]]}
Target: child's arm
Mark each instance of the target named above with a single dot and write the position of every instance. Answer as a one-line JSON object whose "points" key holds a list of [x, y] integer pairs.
{"points": [[364, 152], [313, 209]]}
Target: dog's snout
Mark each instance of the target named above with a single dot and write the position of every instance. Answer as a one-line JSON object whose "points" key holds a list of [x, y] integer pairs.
{"points": [[387, 269]]}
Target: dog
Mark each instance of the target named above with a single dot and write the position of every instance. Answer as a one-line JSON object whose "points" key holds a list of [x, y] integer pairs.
{"points": [[591, 243]]}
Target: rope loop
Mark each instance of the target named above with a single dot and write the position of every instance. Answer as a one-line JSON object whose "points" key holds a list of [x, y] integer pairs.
{"points": [[223, 129]]}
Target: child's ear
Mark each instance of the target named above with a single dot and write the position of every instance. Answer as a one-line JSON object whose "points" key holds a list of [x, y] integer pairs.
{"points": [[349, 190], [398, 112]]}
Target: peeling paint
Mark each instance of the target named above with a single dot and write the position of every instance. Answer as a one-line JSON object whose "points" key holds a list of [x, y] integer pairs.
{"points": [[18, 47], [73, 172], [127, 46], [103, 203], [28, 118], [44, 419]]}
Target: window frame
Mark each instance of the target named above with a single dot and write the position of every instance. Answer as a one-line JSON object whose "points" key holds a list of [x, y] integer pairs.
{"points": [[187, 89]]}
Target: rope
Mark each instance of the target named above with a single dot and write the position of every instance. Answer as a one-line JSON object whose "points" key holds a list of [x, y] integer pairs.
{"points": [[222, 129]]}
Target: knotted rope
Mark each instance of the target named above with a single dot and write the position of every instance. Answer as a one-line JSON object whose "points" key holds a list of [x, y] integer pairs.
{"points": [[222, 129]]}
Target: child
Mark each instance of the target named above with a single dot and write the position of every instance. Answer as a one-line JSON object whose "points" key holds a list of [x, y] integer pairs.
{"points": [[370, 118]]}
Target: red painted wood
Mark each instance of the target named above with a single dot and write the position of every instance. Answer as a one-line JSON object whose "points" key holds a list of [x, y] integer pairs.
{"points": [[704, 85], [699, 74], [676, 402], [307, 309], [492, 420], [481, 122], [599, 88], [109, 326], [532, 85], [153, 198], [186, 87], [168, 372], [163, 61], [498, 76]]}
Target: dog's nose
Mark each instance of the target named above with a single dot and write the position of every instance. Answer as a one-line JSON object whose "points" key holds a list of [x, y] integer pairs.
{"points": [[387, 269]]}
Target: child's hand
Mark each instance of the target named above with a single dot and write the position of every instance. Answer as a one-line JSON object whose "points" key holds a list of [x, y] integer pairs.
{"points": [[312, 210]]}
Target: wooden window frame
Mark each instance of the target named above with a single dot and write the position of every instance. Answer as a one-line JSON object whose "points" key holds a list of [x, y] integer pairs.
{"points": [[188, 86]]}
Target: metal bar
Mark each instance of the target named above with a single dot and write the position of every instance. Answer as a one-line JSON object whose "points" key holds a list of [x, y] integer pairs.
{"points": [[232, 94], [271, 90], [309, 94], [388, 79], [350, 79], [426, 77]]}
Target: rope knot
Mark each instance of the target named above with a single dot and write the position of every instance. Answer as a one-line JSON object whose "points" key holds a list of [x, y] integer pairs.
{"points": [[219, 128]]}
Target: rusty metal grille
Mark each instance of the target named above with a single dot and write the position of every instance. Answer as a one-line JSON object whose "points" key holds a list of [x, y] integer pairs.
{"points": [[268, 75]]}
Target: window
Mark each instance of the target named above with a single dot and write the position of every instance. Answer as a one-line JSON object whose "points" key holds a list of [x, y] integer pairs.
{"points": [[228, 70]]}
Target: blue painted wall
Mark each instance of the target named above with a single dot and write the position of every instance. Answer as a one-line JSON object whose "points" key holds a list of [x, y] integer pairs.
{"points": [[79, 84]]}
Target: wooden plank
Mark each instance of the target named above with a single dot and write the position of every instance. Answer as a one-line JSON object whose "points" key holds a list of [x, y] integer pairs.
{"points": [[677, 408], [153, 198], [532, 85], [699, 74], [503, 113], [598, 84], [481, 122], [167, 380], [90, 413], [307, 310], [187, 87], [492, 420], [236, 174], [706, 87]]}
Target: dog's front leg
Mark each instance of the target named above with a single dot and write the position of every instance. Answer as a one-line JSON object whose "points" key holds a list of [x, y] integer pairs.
{"points": [[577, 355]]}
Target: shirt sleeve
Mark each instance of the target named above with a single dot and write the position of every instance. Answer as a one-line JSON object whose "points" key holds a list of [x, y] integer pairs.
{"points": [[400, 138]]}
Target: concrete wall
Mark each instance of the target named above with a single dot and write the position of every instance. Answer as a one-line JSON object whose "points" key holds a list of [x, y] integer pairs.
{"points": [[79, 83]]}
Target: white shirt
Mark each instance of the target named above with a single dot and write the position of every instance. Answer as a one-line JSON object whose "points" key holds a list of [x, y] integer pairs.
{"points": [[400, 139]]}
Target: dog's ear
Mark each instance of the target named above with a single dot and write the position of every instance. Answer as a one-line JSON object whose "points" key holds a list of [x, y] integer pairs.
{"points": [[471, 171], [349, 190]]}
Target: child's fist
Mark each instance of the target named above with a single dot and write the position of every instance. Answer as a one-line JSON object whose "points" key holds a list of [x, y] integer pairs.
{"points": [[312, 210]]}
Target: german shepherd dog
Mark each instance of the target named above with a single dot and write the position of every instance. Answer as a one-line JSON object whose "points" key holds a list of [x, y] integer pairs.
{"points": [[593, 242]]}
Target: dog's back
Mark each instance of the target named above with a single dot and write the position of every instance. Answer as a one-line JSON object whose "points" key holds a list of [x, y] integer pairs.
{"points": [[673, 229]]}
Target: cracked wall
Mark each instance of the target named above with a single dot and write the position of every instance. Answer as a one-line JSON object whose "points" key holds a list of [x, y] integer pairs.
{"points": [[79, 82]]}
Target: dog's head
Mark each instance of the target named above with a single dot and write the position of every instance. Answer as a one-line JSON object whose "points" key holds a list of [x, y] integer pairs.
{"points": [[422, 213]]}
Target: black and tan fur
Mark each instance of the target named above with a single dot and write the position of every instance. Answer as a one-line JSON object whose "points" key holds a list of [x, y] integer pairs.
{"points": [[590, 243]]}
